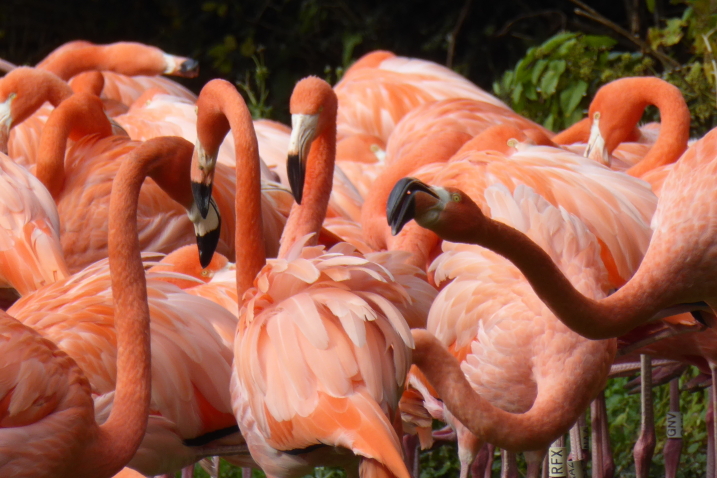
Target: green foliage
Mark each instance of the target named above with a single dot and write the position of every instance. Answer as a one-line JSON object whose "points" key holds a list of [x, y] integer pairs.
{"points": [[554, 82], [255, 87], [624, 419]]}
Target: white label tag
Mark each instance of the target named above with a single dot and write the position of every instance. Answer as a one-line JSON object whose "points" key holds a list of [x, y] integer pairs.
{"points": [[557, 461], [575, 469], [674, 425]]}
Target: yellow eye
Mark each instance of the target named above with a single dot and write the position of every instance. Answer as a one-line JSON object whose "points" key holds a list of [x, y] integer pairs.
{"points": [[456, 197], [205, 272]]}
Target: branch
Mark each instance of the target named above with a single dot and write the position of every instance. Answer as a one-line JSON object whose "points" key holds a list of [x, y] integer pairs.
{"points": [[588, 12], [454, 34]]}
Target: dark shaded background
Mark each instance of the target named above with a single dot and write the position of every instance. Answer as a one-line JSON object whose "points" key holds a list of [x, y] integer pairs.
{"points": [[295, 38]]}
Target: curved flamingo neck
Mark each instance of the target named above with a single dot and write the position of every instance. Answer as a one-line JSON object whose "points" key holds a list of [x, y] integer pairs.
{"points": [[91, 82], [32, 88], [635, 303], [620, 105], [220, 106], [535, 429], [119, 437], [78, 116], [307, 217], [674, 123], [127, 58]]}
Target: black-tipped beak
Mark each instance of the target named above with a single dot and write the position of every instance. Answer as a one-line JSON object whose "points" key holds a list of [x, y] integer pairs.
{"points": [[296, 171], [202, 197], [401, 207], [189, 68], [207, 240]]}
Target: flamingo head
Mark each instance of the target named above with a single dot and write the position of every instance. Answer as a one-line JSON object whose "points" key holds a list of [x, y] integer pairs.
{"points": [[313, 108], [448, 212]]}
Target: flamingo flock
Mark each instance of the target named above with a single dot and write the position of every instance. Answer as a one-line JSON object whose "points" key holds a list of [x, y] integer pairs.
{"points": [[181, 281]]}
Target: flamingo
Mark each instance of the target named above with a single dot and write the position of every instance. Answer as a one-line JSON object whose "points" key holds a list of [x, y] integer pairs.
{"points": [[573, 182], [512, 350], [380, 88], [49, 427], [122, 59], [294, 410], [675, 270], [191, 336], [613, 117]]}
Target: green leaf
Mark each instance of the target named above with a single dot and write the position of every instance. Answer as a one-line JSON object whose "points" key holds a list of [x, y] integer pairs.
{"points": [[552, 43], [650, 5], [538, 70], [599, 41], [517, 93], [549, 81], [530, 92], [570, 98]]}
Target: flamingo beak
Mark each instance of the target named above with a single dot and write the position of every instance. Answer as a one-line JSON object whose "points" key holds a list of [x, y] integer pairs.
{"points": [[207, 231], [401, 205], [303, 132], [596, 149], [202, 177], [181, 66]]}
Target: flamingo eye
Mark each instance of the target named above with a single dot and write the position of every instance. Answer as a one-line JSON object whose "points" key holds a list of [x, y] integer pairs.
{"points": [[205, 272], [456, 197]]}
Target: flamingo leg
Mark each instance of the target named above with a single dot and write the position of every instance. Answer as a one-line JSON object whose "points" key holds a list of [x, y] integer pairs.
{"points": [[188, 471], [673, 446], [603, 465], [577, 454], [410, 453], [710, 419], [645, 446], [246, 473], [509, 468], [483, 459]]}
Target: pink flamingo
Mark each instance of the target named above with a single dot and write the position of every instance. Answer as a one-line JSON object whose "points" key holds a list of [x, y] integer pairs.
{"points": [[613, 117], [123, 59], [50, 429], [191, 363], [288, 402]]}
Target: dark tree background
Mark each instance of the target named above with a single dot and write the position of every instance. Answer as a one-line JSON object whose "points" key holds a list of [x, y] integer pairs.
{"points": [[295, 38]]}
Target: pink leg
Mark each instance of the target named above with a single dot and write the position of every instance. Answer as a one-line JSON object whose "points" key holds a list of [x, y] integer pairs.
{"points": [[603, 465], [509, 468], [490, 453], [188, 471], [673, 446], [478, 468], [645, 446], [710, 419], [410, 453], [246, 473]]}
